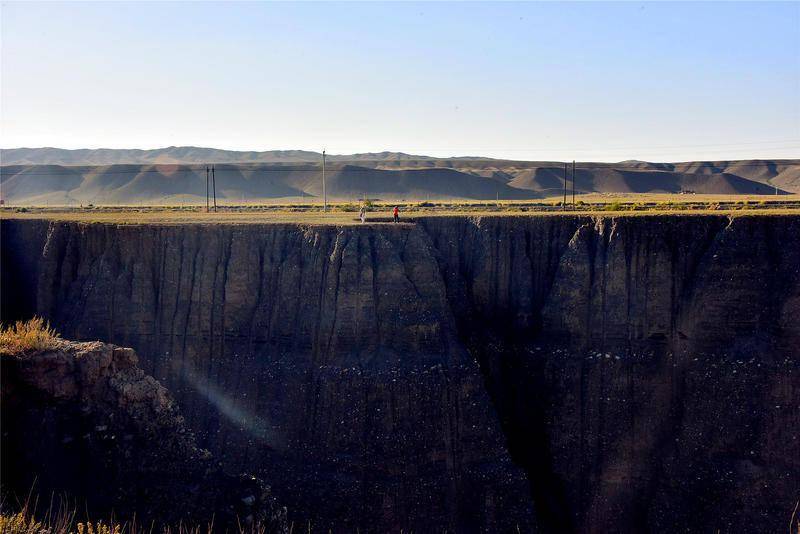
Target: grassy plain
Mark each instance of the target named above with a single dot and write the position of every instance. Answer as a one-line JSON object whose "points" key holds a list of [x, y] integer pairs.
{"points": [[342, 213]]}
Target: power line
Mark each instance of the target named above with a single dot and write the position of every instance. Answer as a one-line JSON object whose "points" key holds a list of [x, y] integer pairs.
{"points": [[324, 191], [214, 187], [573, 184]]}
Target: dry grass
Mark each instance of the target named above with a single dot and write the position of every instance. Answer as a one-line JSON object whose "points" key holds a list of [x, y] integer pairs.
{"points": [[24, 523], [27, 336], [676, 197], [343, 214], [19, 523], [63, 521]]}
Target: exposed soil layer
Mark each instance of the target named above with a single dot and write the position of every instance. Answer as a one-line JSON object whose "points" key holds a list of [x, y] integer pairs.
{"points": [[583, 374]]}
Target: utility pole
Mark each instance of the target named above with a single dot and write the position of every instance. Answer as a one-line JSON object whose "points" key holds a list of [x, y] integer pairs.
{"points": [[207, 179], [324, 191], [564, 204], [214, 187], [573, 184]]}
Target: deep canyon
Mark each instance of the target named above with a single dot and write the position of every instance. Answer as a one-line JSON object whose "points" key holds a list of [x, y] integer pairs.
{"points": [[465, 374]]}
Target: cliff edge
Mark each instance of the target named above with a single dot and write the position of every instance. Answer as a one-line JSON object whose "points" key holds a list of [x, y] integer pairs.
{"points": [[474, 374], [82, 419]]}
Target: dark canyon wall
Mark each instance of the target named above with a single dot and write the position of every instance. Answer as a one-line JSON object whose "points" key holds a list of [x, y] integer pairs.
{"points": [[548, 373], [82, 419]]}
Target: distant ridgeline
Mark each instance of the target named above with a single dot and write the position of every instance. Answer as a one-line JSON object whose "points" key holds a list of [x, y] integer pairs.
{"points": [[177, 175]]}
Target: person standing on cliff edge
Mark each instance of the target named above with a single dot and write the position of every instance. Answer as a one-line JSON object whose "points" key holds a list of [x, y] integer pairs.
{"points": [[396, 214]]}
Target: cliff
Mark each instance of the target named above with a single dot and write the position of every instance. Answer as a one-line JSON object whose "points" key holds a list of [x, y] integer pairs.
{"points": [[476, 374], [645, 369], [82, 420]]}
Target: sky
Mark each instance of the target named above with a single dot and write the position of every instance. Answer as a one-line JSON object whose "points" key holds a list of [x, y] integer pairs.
{"points": [[536, 81]]}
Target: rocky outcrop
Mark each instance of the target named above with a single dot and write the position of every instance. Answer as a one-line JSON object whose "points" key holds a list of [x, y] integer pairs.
{"points": [[82, 419], [614, 373]]}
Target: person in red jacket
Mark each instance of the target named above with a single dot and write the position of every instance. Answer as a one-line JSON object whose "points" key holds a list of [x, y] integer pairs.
{"points": [[396, 214]]}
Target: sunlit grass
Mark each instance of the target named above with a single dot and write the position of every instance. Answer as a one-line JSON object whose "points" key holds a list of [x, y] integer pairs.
{"points": [[26, 336], [62, 520], [379, 211]]}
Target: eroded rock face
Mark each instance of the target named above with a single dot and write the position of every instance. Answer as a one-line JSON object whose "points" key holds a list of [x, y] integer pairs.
{"points": [[647, 370], [82, 419], [326, 358], [641, 372]]}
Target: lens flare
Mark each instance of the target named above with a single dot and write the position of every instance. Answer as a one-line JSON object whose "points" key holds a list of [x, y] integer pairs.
{"points": [[227, 406]]}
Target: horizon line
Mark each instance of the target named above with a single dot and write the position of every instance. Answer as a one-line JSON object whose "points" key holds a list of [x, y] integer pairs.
{"points": [[410, 154]]}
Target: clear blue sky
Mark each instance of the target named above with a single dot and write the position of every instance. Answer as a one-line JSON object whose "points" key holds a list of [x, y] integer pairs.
{"points": [[666, 81]]}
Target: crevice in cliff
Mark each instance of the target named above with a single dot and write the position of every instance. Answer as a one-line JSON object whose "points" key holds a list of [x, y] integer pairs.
{"points": [[276, 261], [226, 262], [514, 380], [179, 279], [339, 256], [374, 264], [600, 437], [702, 247], [406, 271], [188, 314], [520, 395]]}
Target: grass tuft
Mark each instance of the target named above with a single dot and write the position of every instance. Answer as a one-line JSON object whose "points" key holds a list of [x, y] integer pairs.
{"points": [[20, 523], [28, 336], [63, 522]]}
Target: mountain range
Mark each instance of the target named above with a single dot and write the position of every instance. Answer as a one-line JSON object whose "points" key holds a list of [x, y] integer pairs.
{"points": [[178, 175]]}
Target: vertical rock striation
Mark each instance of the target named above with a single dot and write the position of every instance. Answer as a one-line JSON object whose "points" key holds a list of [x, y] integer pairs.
{"points": [[646, 369], [326, 357], [641, 372]]}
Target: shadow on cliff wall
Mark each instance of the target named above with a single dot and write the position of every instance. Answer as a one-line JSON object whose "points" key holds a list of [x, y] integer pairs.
{"points": [[520, 395]]}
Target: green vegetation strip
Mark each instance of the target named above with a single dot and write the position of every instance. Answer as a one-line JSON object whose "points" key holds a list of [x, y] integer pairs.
{"points": [[347, 213]]}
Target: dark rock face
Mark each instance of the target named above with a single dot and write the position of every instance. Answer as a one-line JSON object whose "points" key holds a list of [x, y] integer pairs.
{"points": [[615, 374], [647, 369], [82, 418]]}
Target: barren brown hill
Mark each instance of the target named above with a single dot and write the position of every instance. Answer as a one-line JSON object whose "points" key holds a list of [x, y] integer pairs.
{"points": [[179, 154], [120, 184], [177, 175], [611, 180]]}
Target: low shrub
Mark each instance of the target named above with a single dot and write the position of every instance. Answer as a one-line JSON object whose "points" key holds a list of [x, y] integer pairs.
{"points": [[24, 336]]}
